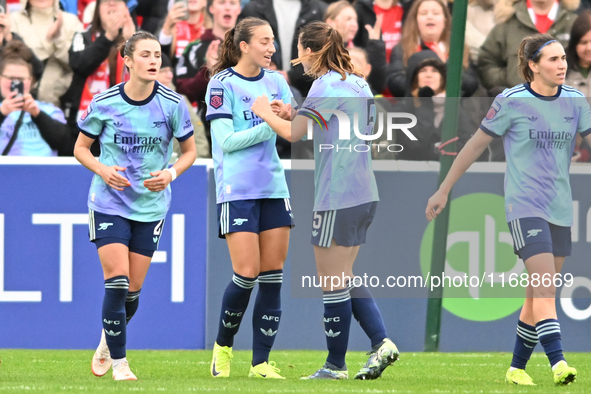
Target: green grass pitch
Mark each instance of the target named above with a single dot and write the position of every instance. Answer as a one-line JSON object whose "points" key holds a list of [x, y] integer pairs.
{"points": [[52, 371]]}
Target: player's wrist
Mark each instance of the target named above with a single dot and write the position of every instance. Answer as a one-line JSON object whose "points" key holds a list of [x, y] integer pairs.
{"points": [[172, 172]]}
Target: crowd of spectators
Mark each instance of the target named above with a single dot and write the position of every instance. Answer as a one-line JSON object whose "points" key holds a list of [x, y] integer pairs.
{"points": [[402, 47]]}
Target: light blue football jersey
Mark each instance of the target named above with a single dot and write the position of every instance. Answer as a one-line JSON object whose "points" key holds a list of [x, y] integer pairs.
{"points": [[343, 174], [29, 141], [136, 135], [254, 172], [539, 136]]}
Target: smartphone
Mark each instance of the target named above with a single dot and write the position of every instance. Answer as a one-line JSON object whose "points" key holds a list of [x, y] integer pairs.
{"points": [[17, 86], [2, 6], [186, 14]]}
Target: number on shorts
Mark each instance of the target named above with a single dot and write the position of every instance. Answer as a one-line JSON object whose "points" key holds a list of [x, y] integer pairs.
{"points": [[158, 228], [317, 221]]}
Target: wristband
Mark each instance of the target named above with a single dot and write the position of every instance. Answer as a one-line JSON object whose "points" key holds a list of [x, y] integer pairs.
{"points": [[172, 171]]}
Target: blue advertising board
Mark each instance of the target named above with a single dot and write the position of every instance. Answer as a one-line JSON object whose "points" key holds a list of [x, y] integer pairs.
{"points": [[51, 281]]}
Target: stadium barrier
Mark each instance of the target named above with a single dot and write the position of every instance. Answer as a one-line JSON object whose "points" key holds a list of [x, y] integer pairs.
{"points": [[51, 284]]}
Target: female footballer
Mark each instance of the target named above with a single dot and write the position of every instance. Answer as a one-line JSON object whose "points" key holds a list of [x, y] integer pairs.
{"points": [[254, 211], [538, 121], [130, 195], [346, 193]]}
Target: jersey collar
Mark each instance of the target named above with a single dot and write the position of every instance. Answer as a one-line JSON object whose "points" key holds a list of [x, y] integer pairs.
{"points": [[258, 77], [545, 98], [138, 103]]}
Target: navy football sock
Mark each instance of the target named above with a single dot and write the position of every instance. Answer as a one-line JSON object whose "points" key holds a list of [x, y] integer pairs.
{"points": [[234, 305], [367, 313], [132, 302], [266, 315], [114, 315], [526, 341], [337, 321], [549, 336]]}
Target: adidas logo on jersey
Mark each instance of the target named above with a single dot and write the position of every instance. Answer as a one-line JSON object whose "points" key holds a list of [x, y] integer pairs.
{"points": [[314, 233], [112, 333], [332, 334], [229, 324], [117, 124], [246, 99], [532, 118], [269, 332]]}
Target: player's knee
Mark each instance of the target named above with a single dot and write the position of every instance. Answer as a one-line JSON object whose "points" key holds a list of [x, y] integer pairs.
{"points": [[247, 270]]}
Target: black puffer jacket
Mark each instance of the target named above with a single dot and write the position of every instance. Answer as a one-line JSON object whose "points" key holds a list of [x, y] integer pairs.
{"points": [[311, 10]]}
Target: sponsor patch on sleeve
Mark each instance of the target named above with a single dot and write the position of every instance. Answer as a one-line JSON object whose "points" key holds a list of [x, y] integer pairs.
{"points": [[491, 113], [87, 111], [216, 98]]}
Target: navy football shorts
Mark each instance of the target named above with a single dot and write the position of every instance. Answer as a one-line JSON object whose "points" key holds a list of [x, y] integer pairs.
{"points": [[254, 216], [348, 227], [139, 237], [532, 236]]}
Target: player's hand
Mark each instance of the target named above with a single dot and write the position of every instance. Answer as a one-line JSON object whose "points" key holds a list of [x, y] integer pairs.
{"points": [[261, 107], [160, 180], [113, 179], [30, 105], [435, 205], [285, 112], [277, 106], [11, 104]]}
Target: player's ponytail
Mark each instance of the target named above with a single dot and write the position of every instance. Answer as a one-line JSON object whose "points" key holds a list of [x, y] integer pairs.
{"points": [[328, 51], [531, 50], [229, 52]]}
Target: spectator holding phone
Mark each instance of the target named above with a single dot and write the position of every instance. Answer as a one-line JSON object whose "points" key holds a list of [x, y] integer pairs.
{"points": [[27, 127], [184, 23], [48, 32], [94, 58]]}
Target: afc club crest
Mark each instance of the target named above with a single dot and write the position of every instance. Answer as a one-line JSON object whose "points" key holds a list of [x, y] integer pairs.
{"points": [[216, 98]]}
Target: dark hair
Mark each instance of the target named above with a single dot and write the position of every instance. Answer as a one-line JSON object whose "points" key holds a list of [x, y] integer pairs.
{"points": [[438, 65], [529, 50], [581, 26], [127, 48], [229, 52], [16, 53], [327, 48]]}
